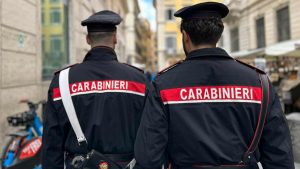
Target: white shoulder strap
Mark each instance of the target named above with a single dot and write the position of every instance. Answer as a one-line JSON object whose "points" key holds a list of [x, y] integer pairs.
{"points": [[68, 104]]}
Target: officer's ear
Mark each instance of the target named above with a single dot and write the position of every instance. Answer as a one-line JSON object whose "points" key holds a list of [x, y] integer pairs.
{"points": [[115, 39], [186, 37], [88, 39]]}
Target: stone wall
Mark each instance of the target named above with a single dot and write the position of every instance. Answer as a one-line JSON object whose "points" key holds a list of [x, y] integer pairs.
{"points": [[20, 56]]}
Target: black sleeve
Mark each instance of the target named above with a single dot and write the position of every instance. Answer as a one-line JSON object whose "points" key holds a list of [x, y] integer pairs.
{"points": [[52, 149], [275, 145], [152, 136]]}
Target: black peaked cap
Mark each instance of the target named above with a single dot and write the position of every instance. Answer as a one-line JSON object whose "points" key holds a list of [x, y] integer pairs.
{"points": [[200, 10], [103, 21]]}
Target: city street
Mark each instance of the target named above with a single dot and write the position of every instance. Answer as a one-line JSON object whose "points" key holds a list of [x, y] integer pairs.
{"points": [[149, 40]]}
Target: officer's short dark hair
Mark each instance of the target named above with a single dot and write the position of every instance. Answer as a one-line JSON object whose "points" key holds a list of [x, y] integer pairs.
{"points": [[100, 37], [206, 30]]}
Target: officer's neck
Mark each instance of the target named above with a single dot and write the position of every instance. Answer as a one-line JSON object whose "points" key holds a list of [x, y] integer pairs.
{"points": [[106, 45], [203, 46]]}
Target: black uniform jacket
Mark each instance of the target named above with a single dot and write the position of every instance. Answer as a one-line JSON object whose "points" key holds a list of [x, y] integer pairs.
{"points": [[108, 97], [204, 111]]}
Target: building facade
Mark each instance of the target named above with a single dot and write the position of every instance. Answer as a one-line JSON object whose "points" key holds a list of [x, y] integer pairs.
{"points": [[264, 32], [54, 36], [169, 40], [131, 18], [145, 45], [40, 36], [120, 7]]}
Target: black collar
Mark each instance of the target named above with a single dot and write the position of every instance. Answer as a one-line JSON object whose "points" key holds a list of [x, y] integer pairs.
{"points": [[101, 53], [211, 52]]}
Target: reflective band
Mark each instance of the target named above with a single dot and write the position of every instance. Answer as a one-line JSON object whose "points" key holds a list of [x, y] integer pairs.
{"points": [[212, 94], [106, 86]]}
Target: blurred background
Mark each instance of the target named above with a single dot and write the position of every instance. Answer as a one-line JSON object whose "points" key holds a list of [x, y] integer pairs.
{"points": [[38, 37]]}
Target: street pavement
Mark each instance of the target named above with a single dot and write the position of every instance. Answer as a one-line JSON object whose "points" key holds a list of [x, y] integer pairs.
{"points": [[294, 124], [297, 166]]}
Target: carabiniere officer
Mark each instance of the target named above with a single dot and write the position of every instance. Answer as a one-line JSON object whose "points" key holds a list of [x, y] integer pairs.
{"points": [[108, 97], [203, 112]]}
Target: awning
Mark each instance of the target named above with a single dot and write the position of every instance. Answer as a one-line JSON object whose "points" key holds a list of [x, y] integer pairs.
{"points": [[248, 53], [287, 48], [295, 53]]}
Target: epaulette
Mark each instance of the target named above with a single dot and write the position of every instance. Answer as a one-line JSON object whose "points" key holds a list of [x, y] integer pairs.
{"points": [[252, 67], [57, 71], [134, 67], [169, 68]]}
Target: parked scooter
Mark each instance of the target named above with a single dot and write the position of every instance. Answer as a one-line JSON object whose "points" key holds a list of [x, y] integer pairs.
{"points": [[23, 150]]}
